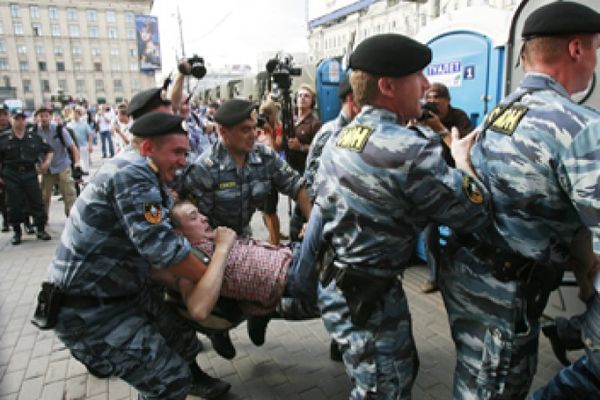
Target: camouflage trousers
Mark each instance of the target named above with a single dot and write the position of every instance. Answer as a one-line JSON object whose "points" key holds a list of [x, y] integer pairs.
{"points": [[496, 344], [143, 342], [381, 359], [580, 380]]}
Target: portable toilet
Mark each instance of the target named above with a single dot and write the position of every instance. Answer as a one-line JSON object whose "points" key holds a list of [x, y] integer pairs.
{"points": [[468, 57], [329, 74]]}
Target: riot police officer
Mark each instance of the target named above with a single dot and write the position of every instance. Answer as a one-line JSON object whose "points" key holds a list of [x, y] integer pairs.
{"points": [[4, 130], [117, 236], [536, 157], [380, 183], [23, 156]]}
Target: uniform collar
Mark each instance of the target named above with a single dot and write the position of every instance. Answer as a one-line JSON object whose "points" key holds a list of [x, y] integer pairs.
{"points": [[541, 81], [381, 113]]}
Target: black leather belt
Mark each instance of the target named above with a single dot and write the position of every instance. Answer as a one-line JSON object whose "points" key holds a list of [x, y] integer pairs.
{"points": [[20, 168], [76, 301]]}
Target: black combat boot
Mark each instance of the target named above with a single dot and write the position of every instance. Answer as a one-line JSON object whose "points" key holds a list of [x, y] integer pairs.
{"points": [[206, 386], [4, 221], [257, 328], [42, 234], [221, 343], [16, 239]]}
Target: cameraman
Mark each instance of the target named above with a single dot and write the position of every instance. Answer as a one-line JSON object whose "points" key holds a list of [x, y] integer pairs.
{"points": [[440, 116]]}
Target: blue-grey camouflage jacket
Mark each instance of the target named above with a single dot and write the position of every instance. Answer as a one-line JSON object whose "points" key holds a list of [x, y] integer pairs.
{"points": [[540, 160], [118, 228], [229, 197], [316, 149], [382, 183]]}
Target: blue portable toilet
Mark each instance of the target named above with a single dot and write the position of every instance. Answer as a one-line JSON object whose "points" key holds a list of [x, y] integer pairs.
{"points": [[329, 74], [468, 57]]}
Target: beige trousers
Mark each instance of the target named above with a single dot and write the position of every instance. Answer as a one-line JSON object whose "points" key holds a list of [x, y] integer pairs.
{"points": [[65, 185]]}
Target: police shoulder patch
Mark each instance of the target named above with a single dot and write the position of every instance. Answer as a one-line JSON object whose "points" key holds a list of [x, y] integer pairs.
{"points": [[227, 185], [506, 120], [354, 137], [471, 190], [152, 212]]}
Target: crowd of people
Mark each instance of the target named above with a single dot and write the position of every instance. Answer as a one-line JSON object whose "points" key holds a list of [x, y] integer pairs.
{"points": [[170, 213]]}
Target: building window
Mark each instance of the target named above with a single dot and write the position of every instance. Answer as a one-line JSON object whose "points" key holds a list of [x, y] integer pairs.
{"points": [[99, 85], [62, 85], [93, 31], [58, 51], [52, 13], [79, 86], [98, 66], [34, 12], [133, 52], [77, 66], [36, 29], [15, 10], [110, 16], [60, 66], [114, 51], [112, 32], [118, 85], [45, 85], [91, 15], [4, 65], [23, 65], [76, 50], [95, 51], [2, 46], [133, 66], [55, 30], [135, 85], [26, 86], [18, 28], [39, 49], [74, 30], [129, 18], [71, 14], [42, 66], [21, 49], [131, 34], [115, 67]]}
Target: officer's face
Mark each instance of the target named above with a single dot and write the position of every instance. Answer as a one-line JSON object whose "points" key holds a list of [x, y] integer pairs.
{"points": [[193, 225], [239, 139], [407, 93], [168, 153], [18, 123]]}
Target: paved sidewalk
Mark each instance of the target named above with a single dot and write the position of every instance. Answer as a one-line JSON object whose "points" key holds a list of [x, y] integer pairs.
{"points": [[293, 364]]}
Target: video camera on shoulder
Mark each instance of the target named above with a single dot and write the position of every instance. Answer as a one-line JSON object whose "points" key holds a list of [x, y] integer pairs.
{"points": [[427, 110], [198, 69]]}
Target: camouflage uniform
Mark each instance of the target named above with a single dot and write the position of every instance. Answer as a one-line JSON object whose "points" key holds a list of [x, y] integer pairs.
{"points": [[117, 230], [229, 197], [381, 184], [531, 159], [316, 149]]}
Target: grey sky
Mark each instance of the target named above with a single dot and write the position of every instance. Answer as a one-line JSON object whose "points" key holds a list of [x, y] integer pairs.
{"points": [[231, 31]]}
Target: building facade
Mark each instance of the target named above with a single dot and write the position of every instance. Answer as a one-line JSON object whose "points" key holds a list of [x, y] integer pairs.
{"points": [[80, 48], [335, 26]]}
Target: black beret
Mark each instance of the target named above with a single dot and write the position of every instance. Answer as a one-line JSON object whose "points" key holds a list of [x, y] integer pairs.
{"points": [[561, 18], [146, 100], [232, 112], [390, 54], [158, 124], [344, 88]]}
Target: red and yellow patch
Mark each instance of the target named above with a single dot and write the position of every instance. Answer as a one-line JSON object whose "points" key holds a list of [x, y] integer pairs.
{"points": [[471, 190], [152, 212]]}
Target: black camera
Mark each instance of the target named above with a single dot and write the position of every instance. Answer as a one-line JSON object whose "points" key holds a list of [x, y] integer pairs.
{"points": [[198, 70], [426, 110], [281, 69], [261, 120]]}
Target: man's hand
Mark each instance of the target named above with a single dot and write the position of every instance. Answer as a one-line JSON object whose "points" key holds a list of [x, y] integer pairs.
{"points": [[224, 238], [434, 123], [184, 67], [461, 149], [42, 168]]}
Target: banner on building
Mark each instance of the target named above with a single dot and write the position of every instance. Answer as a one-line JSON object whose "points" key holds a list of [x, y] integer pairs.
{"points": [[148, 42]]}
